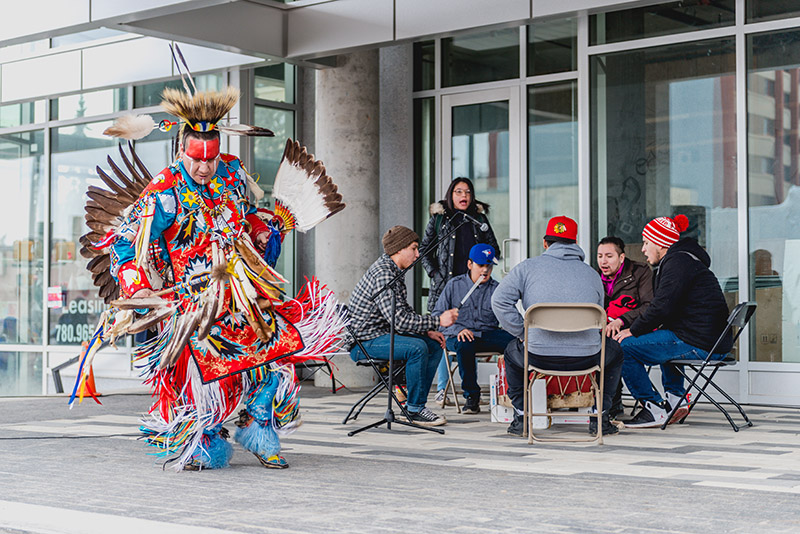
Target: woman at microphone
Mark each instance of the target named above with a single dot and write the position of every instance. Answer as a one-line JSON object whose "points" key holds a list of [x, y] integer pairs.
{"points": [[450, 257]]}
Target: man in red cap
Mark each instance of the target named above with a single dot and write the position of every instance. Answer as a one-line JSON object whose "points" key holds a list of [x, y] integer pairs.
{"points": [[686, 316], [558, 275]]}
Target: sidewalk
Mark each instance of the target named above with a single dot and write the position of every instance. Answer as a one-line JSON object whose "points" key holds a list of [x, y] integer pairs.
{"points": [[83, 470]]}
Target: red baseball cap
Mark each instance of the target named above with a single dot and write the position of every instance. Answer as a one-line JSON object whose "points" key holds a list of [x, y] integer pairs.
{"points": [[562, 229]]}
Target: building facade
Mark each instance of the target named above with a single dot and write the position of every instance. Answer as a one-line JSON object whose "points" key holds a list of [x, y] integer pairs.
{"points": [[611, 112]]}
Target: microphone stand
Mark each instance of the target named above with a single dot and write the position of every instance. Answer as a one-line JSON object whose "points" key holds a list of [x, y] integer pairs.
{"points": [[389, 417]]}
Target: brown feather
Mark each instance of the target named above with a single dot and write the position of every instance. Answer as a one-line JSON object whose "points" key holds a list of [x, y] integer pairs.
{"points": [[137, 178], [145, 173], [89, 253], [99, 264], [126, 182], [124, 195]]}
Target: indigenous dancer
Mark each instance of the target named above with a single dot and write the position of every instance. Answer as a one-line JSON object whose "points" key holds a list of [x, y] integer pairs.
{"points": [[189, 246]]}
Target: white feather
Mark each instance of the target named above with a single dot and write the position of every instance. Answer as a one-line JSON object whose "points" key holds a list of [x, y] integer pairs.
{"points": [[298, 192], [131, 127]]}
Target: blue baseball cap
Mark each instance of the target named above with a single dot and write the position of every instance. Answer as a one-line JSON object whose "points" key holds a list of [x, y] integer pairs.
{"points": [[482, 254]]}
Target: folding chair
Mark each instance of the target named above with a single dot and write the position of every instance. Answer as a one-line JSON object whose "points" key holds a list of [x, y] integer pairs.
{"points": [[739, 318], [376, 364], [565, 317], [452, 365]]}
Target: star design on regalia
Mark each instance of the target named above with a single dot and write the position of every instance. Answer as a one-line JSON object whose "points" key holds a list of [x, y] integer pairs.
{"points": [[215, 186], [189, 199]]}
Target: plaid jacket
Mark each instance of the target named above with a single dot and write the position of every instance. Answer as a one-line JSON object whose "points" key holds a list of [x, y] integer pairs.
{"points": [[370, 319]]}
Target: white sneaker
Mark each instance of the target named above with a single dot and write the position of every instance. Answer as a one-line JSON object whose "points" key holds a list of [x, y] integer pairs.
{"points": [[681, 412], [440, 398], [650, 416]]}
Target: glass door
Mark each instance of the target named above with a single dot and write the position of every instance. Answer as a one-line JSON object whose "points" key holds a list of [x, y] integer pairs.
{"points": [[481, 141]]}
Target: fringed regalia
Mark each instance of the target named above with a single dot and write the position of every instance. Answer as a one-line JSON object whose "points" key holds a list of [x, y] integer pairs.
{"points": [[226, 335]]}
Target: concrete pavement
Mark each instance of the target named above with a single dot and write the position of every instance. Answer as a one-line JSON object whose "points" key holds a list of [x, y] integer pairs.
{"points": [[84, 471]]}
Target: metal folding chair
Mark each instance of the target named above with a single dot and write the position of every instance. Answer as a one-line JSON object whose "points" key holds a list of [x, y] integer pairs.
{"points": [[738, 318], [565, 317], [452, 365]]}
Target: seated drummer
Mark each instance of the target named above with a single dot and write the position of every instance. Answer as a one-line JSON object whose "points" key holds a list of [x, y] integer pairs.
{"points": [[628, 288], [417, 340], [477, 328]]}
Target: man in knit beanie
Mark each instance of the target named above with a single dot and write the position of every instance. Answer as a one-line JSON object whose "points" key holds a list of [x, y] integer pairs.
{"points": [[417, 340], [686, 316]]}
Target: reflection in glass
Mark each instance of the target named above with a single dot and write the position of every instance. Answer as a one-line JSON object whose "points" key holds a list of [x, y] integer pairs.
{"points": [[424, 65], [20, 374], [552, 47], [267, 153], [661, 19], [480, 152], [664, 142], [552, 158], [482, 57], [275, 82], [150, 94], [773, 117], [22, 237], [76, 151], [758, 10], [88, 104], [24, 113], [424, 179]]}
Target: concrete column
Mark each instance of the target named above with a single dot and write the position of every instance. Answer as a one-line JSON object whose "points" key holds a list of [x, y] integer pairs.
{"points": [[347, 136]]}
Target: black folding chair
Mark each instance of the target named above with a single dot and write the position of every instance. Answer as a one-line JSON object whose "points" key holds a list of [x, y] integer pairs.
{"points": [[739, 318], [380, 368]]}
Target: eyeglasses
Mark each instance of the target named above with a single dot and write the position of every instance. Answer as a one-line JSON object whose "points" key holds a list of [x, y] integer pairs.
{"points": [[465, 192]]}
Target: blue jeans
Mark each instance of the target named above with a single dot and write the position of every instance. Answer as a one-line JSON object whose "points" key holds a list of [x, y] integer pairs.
{"points": [[421, 354], [657, 348], [490, 341]]}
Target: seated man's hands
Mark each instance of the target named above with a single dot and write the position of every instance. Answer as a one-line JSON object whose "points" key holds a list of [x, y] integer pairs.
{"points": [[466, 335], [448, 318], [613, 328], [437, 337], [623, 334]]}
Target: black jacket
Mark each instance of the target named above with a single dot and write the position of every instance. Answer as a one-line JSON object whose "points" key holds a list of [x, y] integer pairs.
{"points": [[687, 299], [439, 263]]}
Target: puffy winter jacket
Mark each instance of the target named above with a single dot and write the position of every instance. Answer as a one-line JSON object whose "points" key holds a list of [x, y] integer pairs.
{"points": [[439, 263], [634, 282], [687, 299]]}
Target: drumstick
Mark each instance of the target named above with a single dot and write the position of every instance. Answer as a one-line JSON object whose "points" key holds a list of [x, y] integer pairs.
{"points": [[473, 288]]}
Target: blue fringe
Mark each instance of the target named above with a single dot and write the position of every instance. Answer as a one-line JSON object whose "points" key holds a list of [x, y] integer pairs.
{"points": [[260, 439], [215, 454]]}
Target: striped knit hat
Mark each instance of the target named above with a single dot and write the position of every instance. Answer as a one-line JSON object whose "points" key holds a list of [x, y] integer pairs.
{"points": [[664, 231]]}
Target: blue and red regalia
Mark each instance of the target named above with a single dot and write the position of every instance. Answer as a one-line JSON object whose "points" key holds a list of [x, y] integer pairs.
{"points": [[192, 248]]}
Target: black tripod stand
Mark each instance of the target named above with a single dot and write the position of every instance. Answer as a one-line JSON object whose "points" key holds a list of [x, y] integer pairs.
{"points": [[389, 417]]}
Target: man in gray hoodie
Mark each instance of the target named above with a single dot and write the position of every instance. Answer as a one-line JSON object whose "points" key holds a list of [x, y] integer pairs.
{"points": [[558, 275]]}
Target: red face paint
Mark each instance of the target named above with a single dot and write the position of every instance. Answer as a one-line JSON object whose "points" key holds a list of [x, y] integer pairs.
{"points": [[201, 150]]}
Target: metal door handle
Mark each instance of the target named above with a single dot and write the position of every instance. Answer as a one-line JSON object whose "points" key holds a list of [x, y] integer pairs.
{"points": [[505, 254]]}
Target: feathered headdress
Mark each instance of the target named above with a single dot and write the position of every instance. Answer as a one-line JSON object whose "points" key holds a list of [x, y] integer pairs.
{"points": [[200, 111]]}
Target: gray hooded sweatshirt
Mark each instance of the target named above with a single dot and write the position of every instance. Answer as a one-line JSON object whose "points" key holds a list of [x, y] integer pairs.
{"points": [[558, 275]]}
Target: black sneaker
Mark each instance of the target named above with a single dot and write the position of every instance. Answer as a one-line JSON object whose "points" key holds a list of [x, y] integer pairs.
{"points": [[425, 417], [472, 405], [650, 416], [608, 427], [517, 425]]}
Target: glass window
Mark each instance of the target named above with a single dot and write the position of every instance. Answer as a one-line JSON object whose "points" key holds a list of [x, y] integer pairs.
{"points": [[773, 103], [20, 374], [22, 237], [275, 82], [552, 158], [20, 114], [85, 37], [664, 143], [481, 57], [758, 10], [88, 104], [424, 65], [150, 94], [76, 151], [552, 47], [424, 179], [662, 19], [267, 154]]}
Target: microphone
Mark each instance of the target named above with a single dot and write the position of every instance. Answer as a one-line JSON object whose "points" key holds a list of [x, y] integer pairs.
{"points": [[483, 227]]}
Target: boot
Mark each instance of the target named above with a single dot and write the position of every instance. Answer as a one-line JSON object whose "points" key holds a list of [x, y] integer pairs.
{"points": [[608, 427]]}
